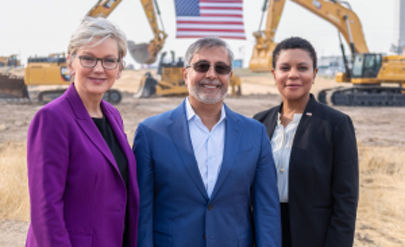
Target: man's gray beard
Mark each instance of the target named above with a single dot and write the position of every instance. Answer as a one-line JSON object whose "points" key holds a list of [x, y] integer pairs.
{"points": [[208, 100]]}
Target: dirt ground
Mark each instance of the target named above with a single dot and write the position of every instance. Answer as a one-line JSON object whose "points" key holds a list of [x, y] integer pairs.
{"points": [[380, 135]]}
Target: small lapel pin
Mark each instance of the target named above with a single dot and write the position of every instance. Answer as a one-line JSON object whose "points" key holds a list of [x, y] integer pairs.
{"points": [[309, 114]]}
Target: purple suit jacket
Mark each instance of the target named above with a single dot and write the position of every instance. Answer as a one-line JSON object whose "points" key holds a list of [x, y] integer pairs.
{"points": [[78, 197]]}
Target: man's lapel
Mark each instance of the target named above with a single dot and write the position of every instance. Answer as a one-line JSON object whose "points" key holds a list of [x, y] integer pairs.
{"points": [[180, 134]]}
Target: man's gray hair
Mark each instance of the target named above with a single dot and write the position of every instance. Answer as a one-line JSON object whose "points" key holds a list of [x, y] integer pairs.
{"points": [[97, 28], [206, 42]]}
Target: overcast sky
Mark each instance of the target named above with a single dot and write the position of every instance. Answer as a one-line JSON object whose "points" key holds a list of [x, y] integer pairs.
{"points": [[40, 27]]}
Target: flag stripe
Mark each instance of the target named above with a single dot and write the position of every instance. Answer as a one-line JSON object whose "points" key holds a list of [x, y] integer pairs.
{"points": [[210, 30], [239, 16], [224, 5], [207, 8], [223, 1], [224, 27], [221, 11], [234, 23], [208, 19], [205, 34]]}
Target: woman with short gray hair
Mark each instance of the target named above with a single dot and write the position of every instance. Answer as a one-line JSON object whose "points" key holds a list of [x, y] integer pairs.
{"points": [[81, 169]]}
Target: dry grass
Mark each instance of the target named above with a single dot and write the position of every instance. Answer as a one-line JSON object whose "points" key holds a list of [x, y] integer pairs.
{"points": [[381, 212], [14, 200]]}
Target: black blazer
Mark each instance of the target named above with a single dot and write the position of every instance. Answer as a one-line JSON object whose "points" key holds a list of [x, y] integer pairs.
{"points": [[323, 176]]}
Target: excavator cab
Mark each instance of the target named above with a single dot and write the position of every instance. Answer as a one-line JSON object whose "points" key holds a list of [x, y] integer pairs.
{"points": [[366, 65]]}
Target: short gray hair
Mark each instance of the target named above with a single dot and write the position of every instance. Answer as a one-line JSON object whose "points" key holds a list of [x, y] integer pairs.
{"points": [[97, 28], [206, 42]]}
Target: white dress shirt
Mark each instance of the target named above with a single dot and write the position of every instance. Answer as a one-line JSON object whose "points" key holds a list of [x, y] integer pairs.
{"points": [[208, 146], [281, 143]]}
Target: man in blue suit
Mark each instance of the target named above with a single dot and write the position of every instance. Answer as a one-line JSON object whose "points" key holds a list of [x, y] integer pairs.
{"points": [[206, 174]]}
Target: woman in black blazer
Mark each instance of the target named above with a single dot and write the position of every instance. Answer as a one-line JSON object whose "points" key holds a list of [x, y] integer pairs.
{"points": [[315, 152]]}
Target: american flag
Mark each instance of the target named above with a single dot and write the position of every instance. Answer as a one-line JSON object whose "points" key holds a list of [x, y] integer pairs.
{"points": [[200, 18]]}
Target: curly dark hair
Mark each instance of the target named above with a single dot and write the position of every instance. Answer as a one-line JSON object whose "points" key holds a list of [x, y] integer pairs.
{"points": [[294, 43]]}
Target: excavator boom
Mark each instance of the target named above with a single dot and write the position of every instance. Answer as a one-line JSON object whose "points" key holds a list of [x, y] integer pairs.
{"points": [[103, 8], [262, 52], [144, 53], [343, 18]]}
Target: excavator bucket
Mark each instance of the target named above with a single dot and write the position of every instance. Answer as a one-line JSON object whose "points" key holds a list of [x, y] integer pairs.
{"points": [[261, 60], [12, 86], [147, 87], [140, 52]]}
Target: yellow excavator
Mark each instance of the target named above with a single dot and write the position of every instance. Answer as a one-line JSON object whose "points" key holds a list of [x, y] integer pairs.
{"points": [[367, 71]]}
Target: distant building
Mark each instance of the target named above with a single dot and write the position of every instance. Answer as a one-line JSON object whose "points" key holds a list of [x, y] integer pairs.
{"points": [[399, 34], [237, 63], [329, 65]]}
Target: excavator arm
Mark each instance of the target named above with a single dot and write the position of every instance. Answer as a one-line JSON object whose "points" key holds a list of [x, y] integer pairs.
{"points": [[343, 18], [333, 11], [262, 51], [144, 53], [147, 53], [103, 8]]}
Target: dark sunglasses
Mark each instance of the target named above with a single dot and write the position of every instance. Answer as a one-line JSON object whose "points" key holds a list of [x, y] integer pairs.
{"points": [[204, 66]]}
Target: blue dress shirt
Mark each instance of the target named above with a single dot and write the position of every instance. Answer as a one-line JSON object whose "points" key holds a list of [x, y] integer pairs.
{"points": [[208, 146]]}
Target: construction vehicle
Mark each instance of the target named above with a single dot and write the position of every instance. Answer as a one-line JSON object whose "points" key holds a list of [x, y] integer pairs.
{"points": [[10, 61], [368, 71], [172, 82]]}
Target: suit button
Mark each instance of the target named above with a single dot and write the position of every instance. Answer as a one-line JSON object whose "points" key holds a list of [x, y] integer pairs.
{"points": [[210, 206]]}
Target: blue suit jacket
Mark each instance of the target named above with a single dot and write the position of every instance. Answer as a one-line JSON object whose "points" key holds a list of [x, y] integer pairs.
{"points": [[175, 209]]}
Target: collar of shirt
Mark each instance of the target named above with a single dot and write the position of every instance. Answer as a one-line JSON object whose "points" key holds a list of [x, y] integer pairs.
{"points": [[191, 113], [296, 119]]}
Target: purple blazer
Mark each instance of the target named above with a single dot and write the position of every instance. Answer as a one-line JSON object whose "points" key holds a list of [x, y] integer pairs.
{"points": [[78, 197]]}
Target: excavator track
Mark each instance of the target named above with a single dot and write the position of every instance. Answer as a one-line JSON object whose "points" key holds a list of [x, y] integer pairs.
{"points": [[363, 96], [113, 96]]}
